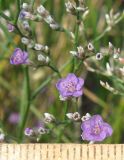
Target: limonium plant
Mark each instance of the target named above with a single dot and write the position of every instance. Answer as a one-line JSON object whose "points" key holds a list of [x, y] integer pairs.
{"points": [[70, 86]]}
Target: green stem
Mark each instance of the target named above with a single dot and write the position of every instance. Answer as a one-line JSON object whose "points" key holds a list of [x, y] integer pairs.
{"points": [[76, 41], [55, 70], [25, 103], [32, 4], [18, 11], [66, 108]]}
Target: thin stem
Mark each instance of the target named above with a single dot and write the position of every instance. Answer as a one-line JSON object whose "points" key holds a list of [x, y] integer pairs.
{"points": [[32, 4], [76, 41], [66, 108], [18, 11], [25, 103]]}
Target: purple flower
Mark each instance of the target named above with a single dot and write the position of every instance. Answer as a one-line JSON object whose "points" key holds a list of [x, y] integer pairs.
{"points": [[95, 129], [28, 132], [71, 86], [19, 57], [11, 27], [14, 118]]}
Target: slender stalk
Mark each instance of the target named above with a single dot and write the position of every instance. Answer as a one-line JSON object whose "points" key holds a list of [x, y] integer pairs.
{"points": [[25, 103], [66, 108], [76, 41], [18, 11], [32, 4]]}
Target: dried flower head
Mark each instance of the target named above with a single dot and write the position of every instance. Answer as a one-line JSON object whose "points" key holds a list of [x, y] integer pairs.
{"points": [[71, 86], [95, 129]]}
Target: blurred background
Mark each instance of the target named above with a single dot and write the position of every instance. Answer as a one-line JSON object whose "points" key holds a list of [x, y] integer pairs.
{"points": [[96, 99]]}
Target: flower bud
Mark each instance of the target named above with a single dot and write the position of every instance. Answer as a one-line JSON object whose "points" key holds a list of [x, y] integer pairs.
{"points": [[90, 47], [38, 47], [25, 6], [42, 11], [29, 132], [55, 26], [25, 40], [99, 56], [42, 130], [80, 51], [69, 116], [11, 27], [86, 117], [48, 118], [70, 7], [76, 116], [26, 25]]}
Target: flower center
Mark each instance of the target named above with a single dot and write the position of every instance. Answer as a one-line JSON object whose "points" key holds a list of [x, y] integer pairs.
{"points": [[70, 87], [96, 130]]}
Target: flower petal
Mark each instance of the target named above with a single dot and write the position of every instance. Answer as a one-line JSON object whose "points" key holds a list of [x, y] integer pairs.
{"points": [[80, 83]]}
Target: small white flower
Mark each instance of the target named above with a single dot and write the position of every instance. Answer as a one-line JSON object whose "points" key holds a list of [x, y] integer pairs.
{"points": [[86, 117], [74, 53], [76, 116], [90, 47], [69, 116], [25, 6], [46, 49], [42, 130], [70, 7], [99, 56], [80, 51], [25, 40], [26, 25], [41, 9], [31, 44], [47, 59], [48, 118], [41, 57], [49, 20], [38, 47], [54, 26]]}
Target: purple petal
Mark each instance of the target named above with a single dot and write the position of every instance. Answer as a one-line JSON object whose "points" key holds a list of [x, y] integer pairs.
{"points": [[80, 83], [72, 77], [78, 93], [25, 56], [85, 125], [60, 85], [87, 135], [107, 129]]}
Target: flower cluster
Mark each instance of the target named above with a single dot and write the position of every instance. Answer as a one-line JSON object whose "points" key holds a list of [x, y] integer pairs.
{"points": [[70, 88]]}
